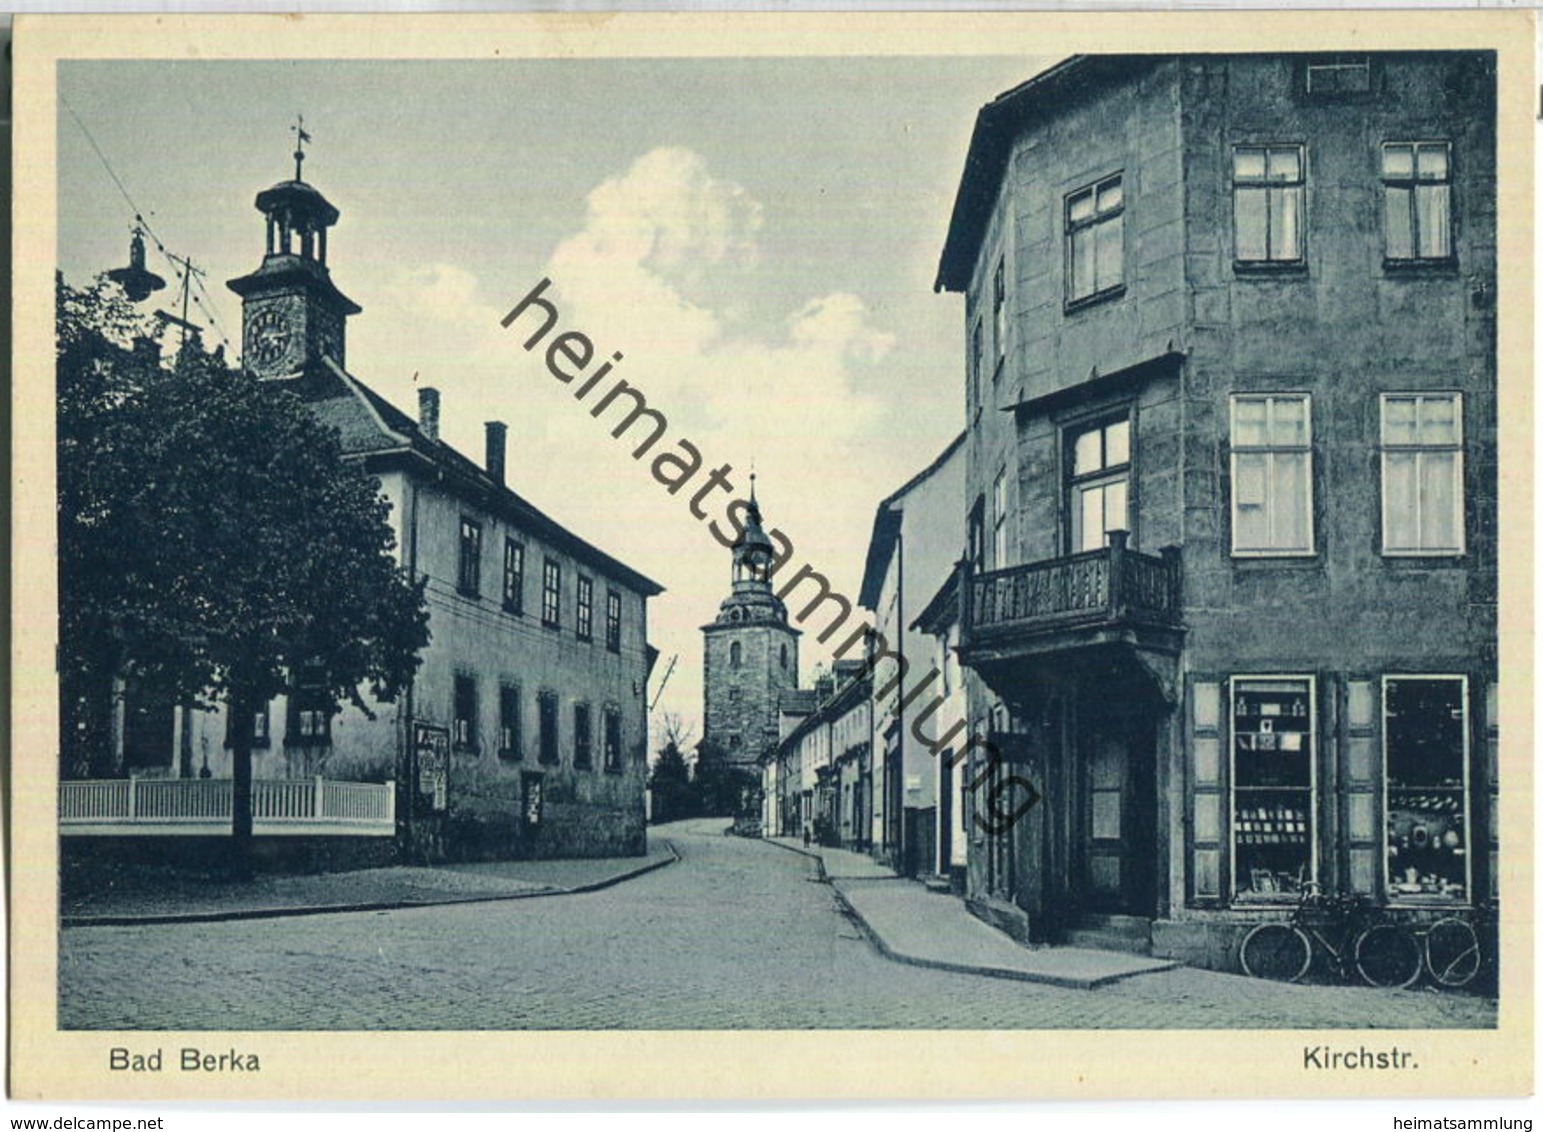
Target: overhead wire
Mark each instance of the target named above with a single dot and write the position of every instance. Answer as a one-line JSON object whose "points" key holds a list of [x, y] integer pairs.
{"points": [[208, 305]]}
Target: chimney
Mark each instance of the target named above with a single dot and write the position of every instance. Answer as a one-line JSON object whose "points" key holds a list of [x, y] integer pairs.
{"points": [[428, 412], [498, 433]]}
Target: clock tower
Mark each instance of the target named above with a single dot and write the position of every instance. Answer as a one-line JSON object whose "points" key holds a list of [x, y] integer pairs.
{"points": [[291, 313]]}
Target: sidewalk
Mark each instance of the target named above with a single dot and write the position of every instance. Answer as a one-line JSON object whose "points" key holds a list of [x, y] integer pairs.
{"points": [[926, 929], [145, 897]]}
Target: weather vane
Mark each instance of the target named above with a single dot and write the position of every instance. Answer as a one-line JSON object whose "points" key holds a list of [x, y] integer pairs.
{"points": [[301, 137]]}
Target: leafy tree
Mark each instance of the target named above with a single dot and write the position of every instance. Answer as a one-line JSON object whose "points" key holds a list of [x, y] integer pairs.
{"points": [[669, 784], [724, 789], [213, 541]]}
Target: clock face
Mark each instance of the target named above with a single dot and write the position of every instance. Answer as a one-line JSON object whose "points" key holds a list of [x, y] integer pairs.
{"points": [[268, 336]]}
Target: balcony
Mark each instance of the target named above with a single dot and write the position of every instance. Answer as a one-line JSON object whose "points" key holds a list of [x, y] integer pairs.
{"points": [[1111, 596]]}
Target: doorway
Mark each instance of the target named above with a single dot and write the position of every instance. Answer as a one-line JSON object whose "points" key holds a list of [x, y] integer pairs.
{"points": [[1116, 866]]}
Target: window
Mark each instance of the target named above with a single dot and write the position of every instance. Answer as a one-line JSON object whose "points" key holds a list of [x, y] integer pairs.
{"points": [[733, 695], [977, 534], [977, 360], [586, 627], [1098, 483], [464, 729], [581, 737], [999, 315], [469, 577], [1344, 74], [1095, 239], [784, 659], [999, 521], [514, 576], [1274, 815], [259, 722], [1267, 194], [1422, 473], [1272, 472], [1425, 738], [546, 705], [736, 654], [310, 708], [551, 594], [613, 620], [510, 741], [612, 739], [1417, 200]]}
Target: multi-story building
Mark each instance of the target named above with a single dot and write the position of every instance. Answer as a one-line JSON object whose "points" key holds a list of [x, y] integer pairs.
{"points": [[820, 771], [524, 731], [1231, 463], [918, 536]]}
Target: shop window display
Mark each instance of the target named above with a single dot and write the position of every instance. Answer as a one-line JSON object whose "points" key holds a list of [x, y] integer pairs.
{"points": [[1273, 818], [1426, 746]]}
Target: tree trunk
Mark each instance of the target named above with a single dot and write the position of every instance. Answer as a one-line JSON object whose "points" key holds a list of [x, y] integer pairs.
{"points": [[240, 706]]}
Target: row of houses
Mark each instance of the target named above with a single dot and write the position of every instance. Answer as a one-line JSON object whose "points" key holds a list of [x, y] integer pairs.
{"points": [[1207, 587], [524, 732]]}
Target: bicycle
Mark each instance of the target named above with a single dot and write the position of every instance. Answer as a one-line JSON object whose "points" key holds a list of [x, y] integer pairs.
{"points": [[1381, 953], [1452, 951]]}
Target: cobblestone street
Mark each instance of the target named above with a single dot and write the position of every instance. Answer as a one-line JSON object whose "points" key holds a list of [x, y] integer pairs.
{"points": [[737, 934]]}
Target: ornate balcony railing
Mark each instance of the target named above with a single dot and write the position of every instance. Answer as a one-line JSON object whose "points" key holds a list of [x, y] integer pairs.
{"points": [[202, 806], [1112, 586]]}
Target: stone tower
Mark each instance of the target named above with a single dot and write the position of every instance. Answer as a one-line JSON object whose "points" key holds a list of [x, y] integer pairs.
{"points": [[291, 312], [749, 653]]}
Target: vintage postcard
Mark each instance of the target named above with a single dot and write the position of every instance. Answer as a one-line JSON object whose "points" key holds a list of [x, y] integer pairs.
{"points": [[931, 555]]}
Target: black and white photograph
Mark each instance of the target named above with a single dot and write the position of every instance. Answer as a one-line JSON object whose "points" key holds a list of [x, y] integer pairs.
{"points": [[574, 529]]}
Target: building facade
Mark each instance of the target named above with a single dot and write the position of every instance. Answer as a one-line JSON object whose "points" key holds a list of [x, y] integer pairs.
{"points": [[820, 772], [524, 732], [918, 536], [1231, 467], [749, 655]]}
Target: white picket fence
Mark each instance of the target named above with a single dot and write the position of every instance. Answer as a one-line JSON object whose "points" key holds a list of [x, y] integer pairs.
{"points": [[202, 806]]}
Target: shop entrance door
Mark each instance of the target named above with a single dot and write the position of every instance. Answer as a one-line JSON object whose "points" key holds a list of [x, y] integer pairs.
{"points": [[1117, 813]]}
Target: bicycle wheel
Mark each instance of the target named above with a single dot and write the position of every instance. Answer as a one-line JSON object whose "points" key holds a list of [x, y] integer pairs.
{"points": [[1275, 951], [1452, 952], [1387, 955]]}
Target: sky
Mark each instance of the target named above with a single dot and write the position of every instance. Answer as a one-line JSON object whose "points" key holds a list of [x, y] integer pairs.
{"points": [[757, 237]]}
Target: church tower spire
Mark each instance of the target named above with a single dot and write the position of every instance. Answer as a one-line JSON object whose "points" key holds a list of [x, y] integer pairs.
{"points": [[750, 652], [292, 313]]}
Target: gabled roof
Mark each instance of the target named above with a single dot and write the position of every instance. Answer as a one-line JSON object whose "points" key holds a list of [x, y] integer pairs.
{"points": [[374, 429], [886, 527], [996, 125]]}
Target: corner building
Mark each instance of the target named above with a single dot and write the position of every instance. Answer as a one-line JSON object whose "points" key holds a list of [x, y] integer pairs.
{"points": [[1229, 598]]}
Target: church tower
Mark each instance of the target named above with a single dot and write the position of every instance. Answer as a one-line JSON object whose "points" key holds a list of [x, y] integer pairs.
{"points": [[291, 313], [750, 652]]}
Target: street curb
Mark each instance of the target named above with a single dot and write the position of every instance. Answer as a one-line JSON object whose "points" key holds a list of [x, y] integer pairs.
{"points": [[872, 936], [372, 906]]}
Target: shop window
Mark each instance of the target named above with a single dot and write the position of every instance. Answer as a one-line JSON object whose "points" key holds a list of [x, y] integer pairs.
{"points": [[581, 737], [514, 576], [1272, 472], [612, 740], [546, 712], [613, 620], [1425, 737], [464, 730], [509, 738], [1268, 188], [551, 594], [1095, 240], [1417, 201], [469, 575], [1274, 815], [586, 610], [1422, 473], [1098, 483]]}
